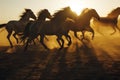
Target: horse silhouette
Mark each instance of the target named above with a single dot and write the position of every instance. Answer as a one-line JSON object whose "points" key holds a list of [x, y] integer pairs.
{"points": [[111, 18], [58, 26], [18, 26], [42, 15], [82, 23], [32, 28], [55, 26]]}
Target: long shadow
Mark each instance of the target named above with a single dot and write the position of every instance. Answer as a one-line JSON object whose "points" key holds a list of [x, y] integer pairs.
{"points": [[36, 68], [112, 67], [12, 63], [63, 72], [73, 72], [46, 73], [94, 68]]}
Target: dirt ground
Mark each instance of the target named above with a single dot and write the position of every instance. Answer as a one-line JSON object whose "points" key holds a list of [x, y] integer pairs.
{"points": [[97, 59]]}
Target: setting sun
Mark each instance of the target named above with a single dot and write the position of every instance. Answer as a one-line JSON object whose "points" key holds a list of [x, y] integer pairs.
{"points": [[76, 6]]}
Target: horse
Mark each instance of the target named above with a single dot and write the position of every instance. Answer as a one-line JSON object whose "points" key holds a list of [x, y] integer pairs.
{"points": [[55, 26], [42, 15], [82, 23], [18, 26], [110, 19], [32, 28]]}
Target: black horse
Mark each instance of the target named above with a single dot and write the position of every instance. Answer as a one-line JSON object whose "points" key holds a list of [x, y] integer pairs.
{"points": [[55, 26], [18, 26]]}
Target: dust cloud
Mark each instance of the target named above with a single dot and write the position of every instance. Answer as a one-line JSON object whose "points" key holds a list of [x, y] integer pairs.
{"points": [[107, 43]]}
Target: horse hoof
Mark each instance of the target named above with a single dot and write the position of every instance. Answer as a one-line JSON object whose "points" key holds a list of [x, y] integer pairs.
{"points": [[25, 50], [69, 44], [11, 47], [60, 49], [48, 49]]}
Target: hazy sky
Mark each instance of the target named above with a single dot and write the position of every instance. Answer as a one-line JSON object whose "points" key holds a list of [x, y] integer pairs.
{"points": [[11, 9]]}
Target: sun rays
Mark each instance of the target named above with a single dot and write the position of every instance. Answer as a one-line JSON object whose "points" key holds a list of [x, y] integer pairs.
{"points": [[76, 6]]}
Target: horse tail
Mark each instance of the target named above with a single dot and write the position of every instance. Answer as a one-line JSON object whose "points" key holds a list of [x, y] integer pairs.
{"points": [[2, 25]]}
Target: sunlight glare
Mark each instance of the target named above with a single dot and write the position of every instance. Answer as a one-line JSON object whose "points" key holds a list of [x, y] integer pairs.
{"points": [[76, 6]]}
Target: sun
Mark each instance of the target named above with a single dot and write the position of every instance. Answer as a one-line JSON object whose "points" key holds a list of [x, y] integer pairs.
{"points": [[76, 6]]}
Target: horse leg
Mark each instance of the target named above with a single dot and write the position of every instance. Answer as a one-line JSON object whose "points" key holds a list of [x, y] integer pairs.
{"points": [[8, 37], [69, 39], [26, 46], [14, 35], [75, 34], [83, 34], [114, 30], [58, 40], [34, 42], [118, 28], [62, 45], [41, 41], [93, 33]]}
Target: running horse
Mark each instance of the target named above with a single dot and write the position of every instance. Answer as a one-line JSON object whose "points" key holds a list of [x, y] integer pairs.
{"points": [[55, 26], [110, 19], [18, 26], [82, 23], [32, 28], [58, 26]]}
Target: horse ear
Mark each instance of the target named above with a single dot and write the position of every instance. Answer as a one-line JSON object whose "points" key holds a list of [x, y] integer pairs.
{"points": [[27, 9], [68, 8], [46, 9]]}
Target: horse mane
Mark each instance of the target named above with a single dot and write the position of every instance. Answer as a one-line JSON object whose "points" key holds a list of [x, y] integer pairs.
{"points": [[41, 13], [88, 13], [24, 13], [84, 11], [114, 13], [60, 12]]}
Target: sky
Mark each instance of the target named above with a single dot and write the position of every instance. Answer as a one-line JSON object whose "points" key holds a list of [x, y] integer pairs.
{"points": [[12, 9]]}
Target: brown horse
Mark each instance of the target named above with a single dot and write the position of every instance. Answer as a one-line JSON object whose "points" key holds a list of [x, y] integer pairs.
{"points": [[110, 19], [82, 23], [18, 26]]}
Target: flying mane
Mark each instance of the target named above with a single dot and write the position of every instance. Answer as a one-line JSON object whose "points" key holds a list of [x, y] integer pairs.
{"points": [[24, 14], [41, 13], [60, 13]]}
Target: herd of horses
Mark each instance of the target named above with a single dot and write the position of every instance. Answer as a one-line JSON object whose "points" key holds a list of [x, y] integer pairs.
{"points": [[59, 24]]}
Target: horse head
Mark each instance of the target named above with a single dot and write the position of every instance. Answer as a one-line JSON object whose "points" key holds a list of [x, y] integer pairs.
{"points": [[44, 14], [114, 13], [86, 15], [30, 14], [63, 14], [69, 13]]}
